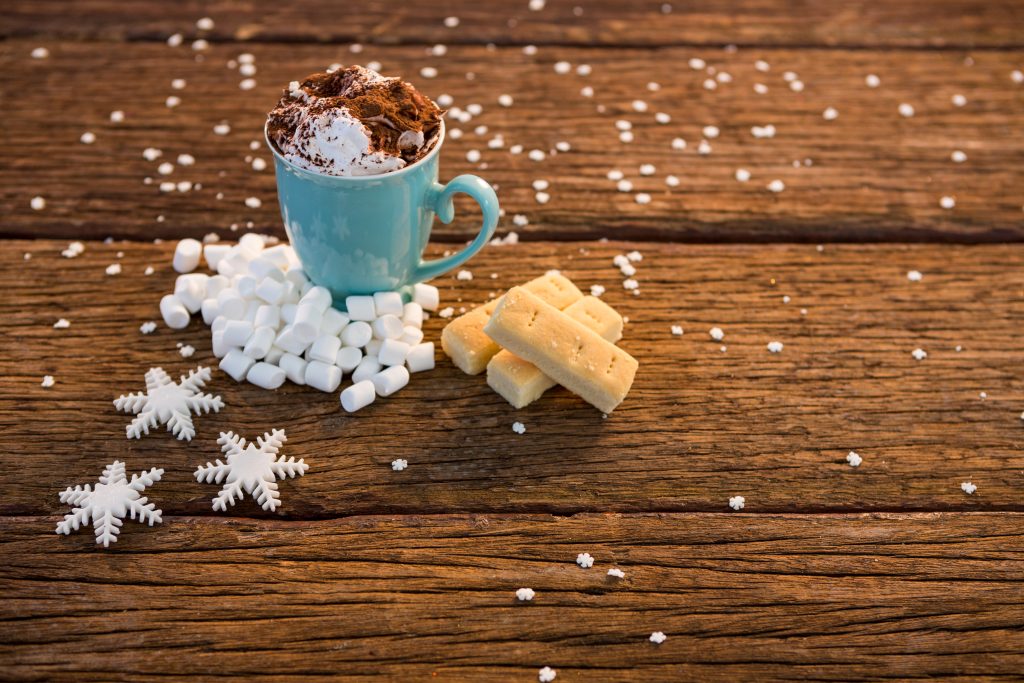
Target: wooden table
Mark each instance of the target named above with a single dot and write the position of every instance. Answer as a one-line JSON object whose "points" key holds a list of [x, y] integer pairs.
{"points": [[830, 572]]}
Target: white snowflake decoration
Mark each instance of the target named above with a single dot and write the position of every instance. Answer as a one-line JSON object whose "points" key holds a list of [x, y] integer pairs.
{"points": [[251, 469], [169, 403], [108, 503]]}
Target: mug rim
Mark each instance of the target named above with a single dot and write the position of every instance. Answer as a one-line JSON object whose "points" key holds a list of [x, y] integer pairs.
{"points": [[355, 178]]}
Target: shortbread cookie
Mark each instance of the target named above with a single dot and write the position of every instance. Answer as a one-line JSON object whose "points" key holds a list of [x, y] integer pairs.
{"points": [[464, 341], [566, 350], [520, 382]]}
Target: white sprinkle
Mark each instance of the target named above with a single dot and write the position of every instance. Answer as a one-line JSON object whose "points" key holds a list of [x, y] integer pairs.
{"points": [[760, 88], [88, 138], [958, 156], [704, 147], [672, 181], [914, 275], [529, 49], [763, 131], [505, 100], [563, 146], [247, 84], [184, 186], [662, 118], [38, 203], [775, 346], [40, 53], [617, 573], [587, 91], [73, 250], [536, 155], [114, 269], [919, 354], [947, 202], [116, 116], [742, 175], [639, 105], [174, 40], [542, 197], [584, 560], [723, 77], [399, 464], [643, 198], [62, 324], [797, 86], [200, 44], [205, 24], [187, 351], [711, 132], [624, 186], [630, 284], [186, 160], [776, 186], [473, 156], [178, 84], [446, 312], [762, 66], [167, 186], [623, 124], [1017, 76], [597, 290], [982, 395], [47, 382], [696, 63], [520, 220], [166, 168], [583, 70], [678, 144], [906, 110], [151, 154], [710, 84], [716, 333], [958, 100], [518, 428], [253, 202], [854, 459], [789, 76], [647, 169], [830, 114], [737, 502], [658, 638], [172, 101], [259, 164], [635, 256], [525, 594], [677, 330], [563, 67], [148, 327], [968, 487], [546, 675], [872, 81]]}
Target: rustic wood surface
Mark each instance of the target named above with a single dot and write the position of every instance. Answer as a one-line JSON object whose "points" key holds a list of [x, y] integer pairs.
{"points": [[830, 572]]}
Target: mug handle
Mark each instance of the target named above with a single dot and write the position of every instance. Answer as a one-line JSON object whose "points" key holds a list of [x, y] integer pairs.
{"points": [[440, 197]]}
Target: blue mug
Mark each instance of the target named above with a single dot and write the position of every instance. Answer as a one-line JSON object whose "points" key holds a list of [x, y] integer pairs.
{"points": [[366, 234]]}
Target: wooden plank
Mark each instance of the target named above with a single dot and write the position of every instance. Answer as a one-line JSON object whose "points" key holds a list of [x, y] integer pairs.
{"points": [[876, 23], [740, 597], [875, 174], [698, 427]]}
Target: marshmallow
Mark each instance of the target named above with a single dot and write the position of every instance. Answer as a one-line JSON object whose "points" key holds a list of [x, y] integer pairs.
{"points": [[420, 357], [174, 312], [358, 396], [269, 316], [333, 322], [246, 286], [262, 267], [278, 255], [296, 276], [324, 349], [231, 304], [220, 349], [233, 263], [426, 296], [290, 342], [372, 347], [348, 358], [191, 290], [236, 364], [213, 253], [210, 310], [322, 376], [387, 303], [215, 285], [307, 321], [294, 367], [357, 333], [218, 324], [266, 376], [274, 355], [251, 245], [259, 343], [393, 352], [288, 312], [361, 308], [387, 327], [237, 332], [367, 368], [270, 290], [391, 380], [412, 314], [411, 335], [186, 255], [251, 309], [317, 296]]}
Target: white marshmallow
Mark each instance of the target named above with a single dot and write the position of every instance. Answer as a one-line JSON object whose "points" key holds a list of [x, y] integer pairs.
{"points": [[387, 327], [387, 303], [251, 309], [333, 322], [317, 296], [291, 293], [372, 347], [307, 321], [296, 276], [260, 342], [322, 376], [186, 255], [246, 286], [290, 342], [268, 316], [174, 312], [391, 380], [210, 310], [266, 376], [294, 367], [220, 349], [357, 333], [218, 324], [393, 352], [236, 364], [262, 267], [215, 285], [348, 358], [270, 290], [278, 255], [420, 357], [361, 308], [233, 263], [288, 313], [367, 368], [358, 396], [426, 296], [191, 290], [325, 349], [411, 335], [237, 332], [274, 355], [213, 253], [231, 304], [412, 314], [251, 245]]}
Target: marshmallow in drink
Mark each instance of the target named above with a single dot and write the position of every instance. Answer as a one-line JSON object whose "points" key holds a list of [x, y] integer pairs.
{"points": [[174, 312], [259, 343], [358, 396], [269, 316], [236, 364], [393, 352], [186, 255], [231, 304], [412, 314], [348, 358], [213, 253], [266, 376], [322, 376], [357, 334], [270, 290], [367, 368], [387, 303], [237, 332], [294, 367], [426, 296], [387, 326], [387, 382], [411, 335], [420, 357], [333, 322], [361, 308], [324, 349], [290, 342]]}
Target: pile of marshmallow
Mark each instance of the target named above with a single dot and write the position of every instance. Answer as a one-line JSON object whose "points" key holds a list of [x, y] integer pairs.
{"points": [[271, 324]]}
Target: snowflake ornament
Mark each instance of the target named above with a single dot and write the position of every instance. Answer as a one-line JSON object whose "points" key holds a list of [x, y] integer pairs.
{"points": [[250, 468], [169, 403], [108, 503]]}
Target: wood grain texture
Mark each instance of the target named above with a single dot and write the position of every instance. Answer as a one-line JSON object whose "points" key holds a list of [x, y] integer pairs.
{"points": [[700, 425], [876, 23], [875, 174], [740, 597]]}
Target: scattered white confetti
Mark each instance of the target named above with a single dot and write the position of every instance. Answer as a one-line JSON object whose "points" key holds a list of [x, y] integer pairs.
{"points": [[563, 146], [626, 136], [173, 101], [200, 44], [47, 382], [776, 186], [624, 186], [584, 560], [518, 428], [74, 249], [854, 459], [428, 72], [830, 114], [711, 132], [597, 290], [399, 464], [662, 118], [648, 169], [38, 203], [147, 327], [546, 675], [617, 573], [205, 24], [710, 84], [187, 351], [1017, 76], [872, 81], [797, 86], [678, 144], [166, 402], [117, 116], [677, 330], [642, 198], [716, 333], [253, 202], [259, 164], [760, 88], [914, 275], [40, 53], [958, 100], [958, 156], [464, 275], [250, 469], [906, 110], [88, 138], [639, 105], [696, 63], [174, 40], [525, 594], [763, 131], [247, 84], [178, 84], [658, 638], [107, 504], [630, 284], [947, 202], [789, 76], [704, 147], [672, 181], [762, 66], [968, 487], [587, 91], [114, 269], [62, 324], [446, 312], [536, 155], [919, 354], [775, 346], [473, 156], [152, 154], [737, 502]]}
